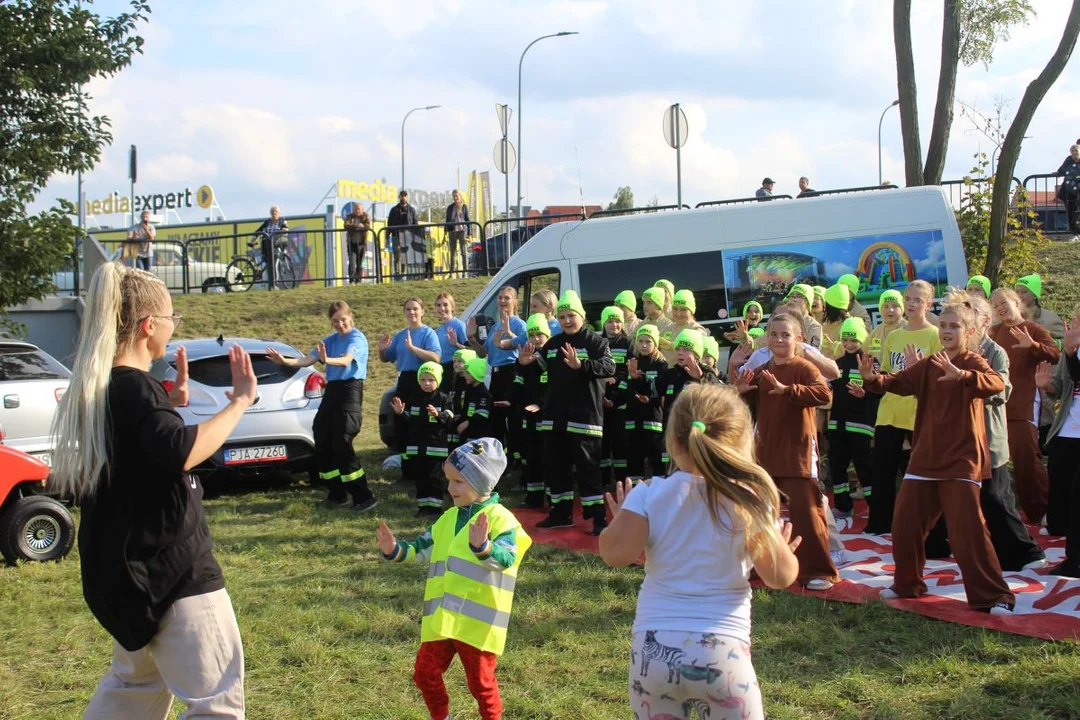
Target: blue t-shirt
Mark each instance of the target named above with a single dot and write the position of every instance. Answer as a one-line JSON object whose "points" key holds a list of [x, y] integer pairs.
{"points": [[497, 357], [554, 326], [448, 349], [351, 343], [423, 337]]}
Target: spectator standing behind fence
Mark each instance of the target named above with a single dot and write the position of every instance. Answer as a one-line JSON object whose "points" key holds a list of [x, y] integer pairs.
{"points": [[457, 225], [142, 235], [266, 234], [765, 191], [1068, 191], [357, 227], [401, 215], [804, 188]]}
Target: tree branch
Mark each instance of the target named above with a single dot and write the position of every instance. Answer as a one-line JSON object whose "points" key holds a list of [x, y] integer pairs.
{"points": [[905, 84], [946, 93]]}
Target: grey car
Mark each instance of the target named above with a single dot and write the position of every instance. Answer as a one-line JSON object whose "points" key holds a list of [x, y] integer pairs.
{"points": [[31, 384], [276, 432]]}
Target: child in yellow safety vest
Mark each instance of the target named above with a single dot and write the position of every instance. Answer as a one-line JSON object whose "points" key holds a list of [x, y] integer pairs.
{"points": [[475, 549]]}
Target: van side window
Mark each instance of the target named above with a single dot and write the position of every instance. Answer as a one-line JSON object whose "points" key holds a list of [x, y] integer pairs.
{"points": [[703, 273]]}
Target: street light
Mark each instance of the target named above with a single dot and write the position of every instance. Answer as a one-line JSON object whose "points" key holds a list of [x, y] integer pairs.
{"points": [[892, 105], [542, 37], [426, 107]]}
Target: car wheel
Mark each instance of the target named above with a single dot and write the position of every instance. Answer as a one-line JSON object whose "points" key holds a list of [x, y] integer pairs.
{"points": [[36, 528], [215, 285]]}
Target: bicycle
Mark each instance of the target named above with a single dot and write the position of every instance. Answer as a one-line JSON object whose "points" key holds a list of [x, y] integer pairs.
{"points": [[249, 269]]}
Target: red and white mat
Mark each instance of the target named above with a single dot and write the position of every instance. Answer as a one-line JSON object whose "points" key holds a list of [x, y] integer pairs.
{"points": [[1047, 606]]}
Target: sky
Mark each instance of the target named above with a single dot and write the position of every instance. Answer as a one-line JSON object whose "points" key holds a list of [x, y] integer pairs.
{"points": [[271, 102]]}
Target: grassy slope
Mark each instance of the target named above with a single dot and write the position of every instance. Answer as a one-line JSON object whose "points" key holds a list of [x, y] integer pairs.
{"points": [[331, 633]]}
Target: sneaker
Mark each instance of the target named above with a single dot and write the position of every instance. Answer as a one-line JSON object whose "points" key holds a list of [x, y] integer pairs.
{"points": [[365, 505], [393, 462], [839, 557], [332, 501], [532, 503], [819, 584], [598, 525], [1036, 564], [841, 514], [1065, 569], [888, 594], [551, 521], [1002, 608]]}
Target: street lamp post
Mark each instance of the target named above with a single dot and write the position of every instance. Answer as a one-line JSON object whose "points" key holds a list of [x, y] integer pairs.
{"points": [[892, 105], [426, 107], [542, 37]]}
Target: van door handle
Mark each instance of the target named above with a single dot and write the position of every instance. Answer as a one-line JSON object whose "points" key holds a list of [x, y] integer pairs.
{"points": [[11, 402]]}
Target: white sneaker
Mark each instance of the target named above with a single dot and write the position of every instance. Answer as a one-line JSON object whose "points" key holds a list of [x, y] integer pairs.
{"points": [[839, 557], [888, 594], [1036, 564], [1042, 521], [819, 584], [1002, 609], [392, 463]]}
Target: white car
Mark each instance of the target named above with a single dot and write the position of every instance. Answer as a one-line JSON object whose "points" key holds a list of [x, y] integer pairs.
{"points": [[31, 384], [168, 264], [275, 432]]}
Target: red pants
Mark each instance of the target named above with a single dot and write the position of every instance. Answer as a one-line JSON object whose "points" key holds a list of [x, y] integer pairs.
{"points": [[432, 661], [1032, 485], [920, 504], [807, 513]]}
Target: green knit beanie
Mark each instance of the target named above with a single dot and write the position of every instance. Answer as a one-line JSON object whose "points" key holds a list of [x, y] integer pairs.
{"points": [[611, 313], [711, 347], [853, 329], [464, 355], [892, 296], [570, 301], [838, 296], [477, 368], [667, 285], [627, 299], [805, 291], [851, 281], [753, 303], [983, 282], [538, 325], [691, 340], [655, 295], [651, 331], [819, 291], [685, 299], [1031, 282], [755, 332], [433, 369]]}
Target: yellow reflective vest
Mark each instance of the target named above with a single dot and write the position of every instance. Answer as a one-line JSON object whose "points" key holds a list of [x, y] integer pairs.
{"points": [[465, 598]]}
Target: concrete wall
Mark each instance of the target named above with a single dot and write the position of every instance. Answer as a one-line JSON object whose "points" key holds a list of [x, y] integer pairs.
{"points": [[52, 324]]}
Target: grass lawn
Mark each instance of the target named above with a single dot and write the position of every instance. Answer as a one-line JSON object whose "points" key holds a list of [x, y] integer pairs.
{"points": [[331, 632]]}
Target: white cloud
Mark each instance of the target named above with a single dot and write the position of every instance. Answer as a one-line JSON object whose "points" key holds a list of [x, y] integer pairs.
{"points": [[334, 124], [177, 168], [254, 141]]}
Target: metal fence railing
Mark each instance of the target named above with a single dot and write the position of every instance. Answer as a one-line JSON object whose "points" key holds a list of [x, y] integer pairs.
{"points": [[959, 190], [638, 210], [1050, 213], [425, 251], [742, 200], [841, 191], [504, 236]]}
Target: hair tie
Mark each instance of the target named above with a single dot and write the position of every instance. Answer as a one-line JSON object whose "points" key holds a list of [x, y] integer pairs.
{"points": [[699, 425]]}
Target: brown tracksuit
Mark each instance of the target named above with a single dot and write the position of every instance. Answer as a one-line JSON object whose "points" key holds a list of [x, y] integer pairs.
{"points": [[786, 441], [1031, 481], [950, 450]]}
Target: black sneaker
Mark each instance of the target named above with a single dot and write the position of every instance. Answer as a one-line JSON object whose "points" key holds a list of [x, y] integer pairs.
{"points": [[552, 521], [364, 505], [334, 501], [598, 525], [532, 503]]}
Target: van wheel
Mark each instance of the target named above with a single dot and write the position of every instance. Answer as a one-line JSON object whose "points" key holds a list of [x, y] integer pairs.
{"points": [[215, 285], [36, 528]]}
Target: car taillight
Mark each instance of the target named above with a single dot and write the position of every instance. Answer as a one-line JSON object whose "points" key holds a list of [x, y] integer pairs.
{"points": [[59, 393], [313, 388], [169, 385]]}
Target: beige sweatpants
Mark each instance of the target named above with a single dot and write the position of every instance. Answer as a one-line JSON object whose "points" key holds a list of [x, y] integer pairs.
{"points": [[196, 656]]}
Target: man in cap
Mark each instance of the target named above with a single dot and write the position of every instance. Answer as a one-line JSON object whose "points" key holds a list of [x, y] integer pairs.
{"points": [[765, 191]]}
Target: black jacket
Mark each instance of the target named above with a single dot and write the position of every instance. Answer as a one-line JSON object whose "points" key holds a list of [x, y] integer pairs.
{"points": [[676, 378], [465, 219], [848, 412], [639, 415], [574, 399], [424, 431], [620, 353], [530, 388], [401, 216], [477, 410]]}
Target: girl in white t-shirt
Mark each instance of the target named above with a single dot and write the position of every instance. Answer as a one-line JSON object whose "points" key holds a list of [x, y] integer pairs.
{"points": [[701, 529]]}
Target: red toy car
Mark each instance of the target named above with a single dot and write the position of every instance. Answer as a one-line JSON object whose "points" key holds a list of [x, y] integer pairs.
{"points": [[32, 526]]}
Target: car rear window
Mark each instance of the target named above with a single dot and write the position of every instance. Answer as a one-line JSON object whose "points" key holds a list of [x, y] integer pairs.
{"points": [[19, 363], [215, 371]]}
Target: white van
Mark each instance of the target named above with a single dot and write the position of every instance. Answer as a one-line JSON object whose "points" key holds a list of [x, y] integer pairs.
{"points": [[730, 254]]}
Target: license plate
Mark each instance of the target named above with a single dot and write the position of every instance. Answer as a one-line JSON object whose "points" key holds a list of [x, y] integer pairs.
{"points": [[259, 454], [45, 458]]}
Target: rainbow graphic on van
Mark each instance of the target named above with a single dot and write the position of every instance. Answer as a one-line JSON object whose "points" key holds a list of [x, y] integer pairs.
{"points": [[881, 262]]}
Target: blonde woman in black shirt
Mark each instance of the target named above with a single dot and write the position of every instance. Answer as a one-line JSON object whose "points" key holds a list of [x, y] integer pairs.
{"points": [[148, 571]]}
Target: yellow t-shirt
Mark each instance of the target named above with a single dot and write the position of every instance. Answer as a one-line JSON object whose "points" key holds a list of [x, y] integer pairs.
{"points": [[875, 343], [894, 410]]}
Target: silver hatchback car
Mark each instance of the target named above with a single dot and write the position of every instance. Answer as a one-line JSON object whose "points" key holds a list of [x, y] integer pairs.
{"points": [[31, 384], [275, 433]]}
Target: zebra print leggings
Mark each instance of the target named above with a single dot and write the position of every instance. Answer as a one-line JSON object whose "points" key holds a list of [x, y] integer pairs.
{"points": [[682, 675]]}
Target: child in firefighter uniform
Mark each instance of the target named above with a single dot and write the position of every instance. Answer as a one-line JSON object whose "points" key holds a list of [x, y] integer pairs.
{"points": [[613, 445], [527, 395], [578, 364], [851, 419], [427, 414], [474, 549]]}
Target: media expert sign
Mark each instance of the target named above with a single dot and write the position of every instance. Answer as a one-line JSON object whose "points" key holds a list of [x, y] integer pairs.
{"points": [[382, 192], [116, 203]]}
